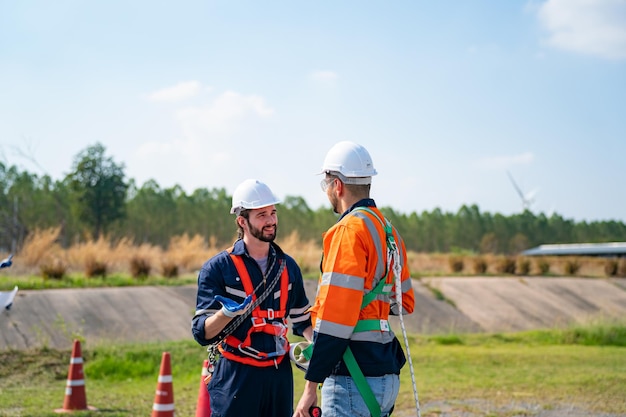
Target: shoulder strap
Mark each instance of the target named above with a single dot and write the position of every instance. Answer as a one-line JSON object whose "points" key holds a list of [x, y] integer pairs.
{"points": [[240, 319], [385, 223], [381, 287], [249, 289]]}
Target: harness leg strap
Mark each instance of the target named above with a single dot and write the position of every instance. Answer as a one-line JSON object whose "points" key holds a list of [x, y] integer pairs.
{"points": [[361, 383]]}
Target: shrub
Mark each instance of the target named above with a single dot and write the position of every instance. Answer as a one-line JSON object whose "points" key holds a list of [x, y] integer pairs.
{"points": [[543, 266], [610, 267], [190, 252], [456, 263], [39, 245], [95, 268], [523, 266], [139, 267], [53, 268], [480, 265], [621, 268], [505, 265], [571, 267], [169, 269]]}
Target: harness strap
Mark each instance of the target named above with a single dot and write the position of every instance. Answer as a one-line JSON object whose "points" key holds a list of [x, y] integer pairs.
{"points": [[367, 325], [391, 241], [381, 288], [259, 322], [361, 383], [247, 286]]}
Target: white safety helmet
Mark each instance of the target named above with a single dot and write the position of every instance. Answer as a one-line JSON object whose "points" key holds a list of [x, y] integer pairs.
{"points": [[351, 162], [252, 194]]}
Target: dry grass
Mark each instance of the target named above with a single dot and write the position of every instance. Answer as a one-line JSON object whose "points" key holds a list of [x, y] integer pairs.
{"points": [[93, 257], [307, 254], [424, 264], [43, 254], [188, 253], [185, 255], [41, 247]]}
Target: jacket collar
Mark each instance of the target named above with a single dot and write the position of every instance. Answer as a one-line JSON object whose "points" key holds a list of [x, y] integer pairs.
{"points": [[365, 202], [239, 248]]}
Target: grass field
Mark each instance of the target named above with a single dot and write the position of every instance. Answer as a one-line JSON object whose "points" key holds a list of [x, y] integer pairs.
{"points": [[583, 367]]}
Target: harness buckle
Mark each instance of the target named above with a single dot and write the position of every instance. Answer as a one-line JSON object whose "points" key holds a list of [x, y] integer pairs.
{"points": [[270, 314], [257, 354], [384, 325], [258, 321]]}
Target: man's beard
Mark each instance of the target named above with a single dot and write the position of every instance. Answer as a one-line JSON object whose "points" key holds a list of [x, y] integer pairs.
{"points": [[334, 202], [258, 233]]}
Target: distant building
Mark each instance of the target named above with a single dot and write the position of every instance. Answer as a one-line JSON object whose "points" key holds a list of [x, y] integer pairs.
{"points": [[607, 250]]}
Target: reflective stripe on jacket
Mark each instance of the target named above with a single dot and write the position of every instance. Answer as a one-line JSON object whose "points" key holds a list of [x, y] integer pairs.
{"points": [[354, 259]]}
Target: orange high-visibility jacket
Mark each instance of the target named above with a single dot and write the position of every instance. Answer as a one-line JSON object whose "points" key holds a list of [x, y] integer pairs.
{"points": [[354, 260]]}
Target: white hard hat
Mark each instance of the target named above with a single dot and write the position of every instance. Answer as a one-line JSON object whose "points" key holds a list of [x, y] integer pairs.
{"points": [[252, 194], [351, 161]]}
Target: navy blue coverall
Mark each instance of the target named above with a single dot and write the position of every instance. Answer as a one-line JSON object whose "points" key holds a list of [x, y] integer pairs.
{"points": [[239, 389]]}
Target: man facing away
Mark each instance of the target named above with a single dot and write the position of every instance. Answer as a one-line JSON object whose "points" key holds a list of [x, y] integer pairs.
{"points": [[245, 295], [356, 354]]}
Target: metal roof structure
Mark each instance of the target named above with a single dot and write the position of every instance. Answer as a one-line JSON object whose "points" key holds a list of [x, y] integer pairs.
{"points": [[611, 249]]}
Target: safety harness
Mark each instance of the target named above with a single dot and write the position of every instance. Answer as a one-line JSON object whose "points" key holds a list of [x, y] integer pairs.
{"points": [[213, 349], [302, 352], [267, 321], [384, 287]]}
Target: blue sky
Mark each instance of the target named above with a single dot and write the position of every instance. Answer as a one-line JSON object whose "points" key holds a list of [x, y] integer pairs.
{"points": [[448, 96]]}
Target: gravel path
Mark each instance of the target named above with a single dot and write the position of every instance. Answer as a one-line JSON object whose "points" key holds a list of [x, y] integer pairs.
{"points": [[482, 408]]}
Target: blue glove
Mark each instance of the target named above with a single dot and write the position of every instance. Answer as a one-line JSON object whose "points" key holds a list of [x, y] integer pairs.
{"points": [[6, 262], [230, 308]]}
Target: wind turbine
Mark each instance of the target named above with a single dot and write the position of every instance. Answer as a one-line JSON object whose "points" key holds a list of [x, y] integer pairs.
{"points": [[527, 199]]}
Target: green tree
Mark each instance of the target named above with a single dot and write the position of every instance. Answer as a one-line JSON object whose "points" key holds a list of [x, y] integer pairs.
{"points": [[489, 243], [95, 196], [295, 215], [467, 228], [518, 243], [100, 189]]}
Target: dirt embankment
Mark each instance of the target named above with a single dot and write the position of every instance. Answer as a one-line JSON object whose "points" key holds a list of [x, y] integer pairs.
{"points": [[443, 305]]}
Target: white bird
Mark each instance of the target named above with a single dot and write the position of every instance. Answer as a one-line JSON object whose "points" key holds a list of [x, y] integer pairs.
{"points": [[7, 297], [6, 262]]}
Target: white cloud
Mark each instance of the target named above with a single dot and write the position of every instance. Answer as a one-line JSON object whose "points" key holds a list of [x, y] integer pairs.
{"points": [[324, 76], [596, 27], [176, 93], [505, 161], [148, 149], [225, 115], [192, 163], [208, 145]]}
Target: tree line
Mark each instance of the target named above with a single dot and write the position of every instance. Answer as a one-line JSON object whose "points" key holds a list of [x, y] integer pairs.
{"points": [[96, 199]]}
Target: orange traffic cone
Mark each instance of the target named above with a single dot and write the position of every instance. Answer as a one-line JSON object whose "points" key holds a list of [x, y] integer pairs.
{"points": [[75, 397], [164, 396], [203, 408]]}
